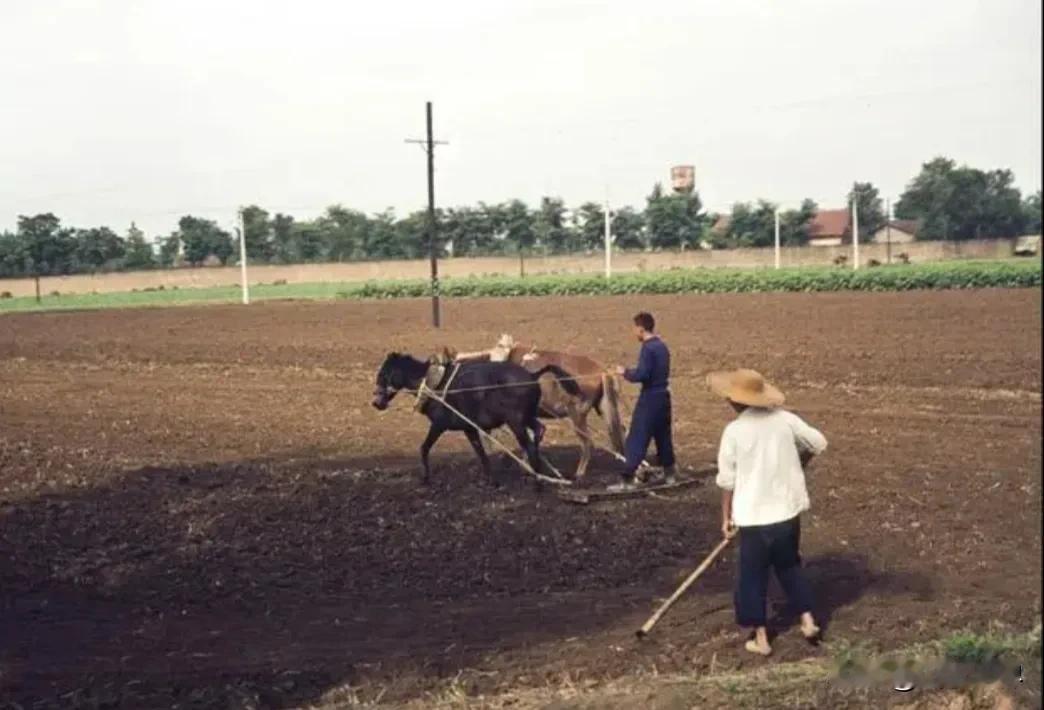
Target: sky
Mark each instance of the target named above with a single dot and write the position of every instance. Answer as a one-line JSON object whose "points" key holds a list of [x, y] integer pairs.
{"points": [[116, 111]]}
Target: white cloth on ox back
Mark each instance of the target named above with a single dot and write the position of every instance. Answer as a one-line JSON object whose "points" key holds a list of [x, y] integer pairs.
{"points": [[502, 350], [759, 460]]}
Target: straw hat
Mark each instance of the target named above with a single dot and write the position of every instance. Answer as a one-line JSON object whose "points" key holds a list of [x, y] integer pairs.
{"points": [[745, 387]]}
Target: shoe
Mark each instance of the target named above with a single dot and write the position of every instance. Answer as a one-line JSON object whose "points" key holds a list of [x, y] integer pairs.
{"points": [[666, 477], [622, 487]]}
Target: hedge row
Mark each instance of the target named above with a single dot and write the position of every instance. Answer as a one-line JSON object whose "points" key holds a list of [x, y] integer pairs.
{"points": [[946, 275]]}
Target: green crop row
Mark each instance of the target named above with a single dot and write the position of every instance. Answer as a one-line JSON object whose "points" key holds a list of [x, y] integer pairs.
{"points": [[946, 275]]}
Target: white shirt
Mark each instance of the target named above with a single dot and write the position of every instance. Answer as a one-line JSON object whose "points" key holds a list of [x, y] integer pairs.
{"points": [[759, 461]]}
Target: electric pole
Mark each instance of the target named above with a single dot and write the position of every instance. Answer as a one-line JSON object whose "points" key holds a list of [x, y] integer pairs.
{"points": [[608, 238], [244, 285], [888, 229], [776, 232], [429, 147], [855, 234]]}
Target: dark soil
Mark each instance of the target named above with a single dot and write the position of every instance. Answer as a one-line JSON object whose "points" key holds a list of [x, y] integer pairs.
{"points": [[198, 507]]}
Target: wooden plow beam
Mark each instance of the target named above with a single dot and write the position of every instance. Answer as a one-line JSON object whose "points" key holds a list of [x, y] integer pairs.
{"points": [[594, 495]]}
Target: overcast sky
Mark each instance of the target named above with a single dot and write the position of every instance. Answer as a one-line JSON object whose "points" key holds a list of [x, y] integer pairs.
{"points": [[121, 110]]}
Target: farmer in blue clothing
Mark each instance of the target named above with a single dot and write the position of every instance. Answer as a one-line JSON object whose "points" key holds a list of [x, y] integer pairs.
{"points": [[652, 415]]}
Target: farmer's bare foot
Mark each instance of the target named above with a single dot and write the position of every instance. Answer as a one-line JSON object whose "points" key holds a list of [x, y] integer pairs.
{"points": [[809, 629], [759, 644]]}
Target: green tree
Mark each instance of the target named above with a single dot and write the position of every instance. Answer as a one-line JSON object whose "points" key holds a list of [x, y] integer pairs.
{"points": [[457, 228], [308, 240], [794, 225], [98, 248], [1031, 213], [552, 229], [952, 202], [1001, 213], [589, 225], [674, 221], [870, 208], [471, 231], [518, 225], [50, 247], [257, 233], [284, 249], [169, 249], [628, 228], [202, 238], [492, 236], [406, 238], [410, 234], [138, 254], [753, 226], [14, 257], [343, 233]]}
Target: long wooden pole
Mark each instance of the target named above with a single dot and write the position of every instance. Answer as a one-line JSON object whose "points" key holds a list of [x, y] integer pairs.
{"points": [[436, 313], [647, 626]]}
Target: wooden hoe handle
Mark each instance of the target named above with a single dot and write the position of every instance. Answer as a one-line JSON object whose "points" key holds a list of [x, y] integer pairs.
{"points": [[647, 626]]}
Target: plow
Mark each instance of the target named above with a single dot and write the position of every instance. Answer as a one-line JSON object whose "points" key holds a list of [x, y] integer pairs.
{"points": [[568, 490]]}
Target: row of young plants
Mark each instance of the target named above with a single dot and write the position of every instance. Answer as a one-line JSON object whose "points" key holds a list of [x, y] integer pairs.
{"points": [[943, 275]]}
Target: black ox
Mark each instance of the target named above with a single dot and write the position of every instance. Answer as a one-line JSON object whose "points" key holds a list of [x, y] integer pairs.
{"points": [[490, 394]]}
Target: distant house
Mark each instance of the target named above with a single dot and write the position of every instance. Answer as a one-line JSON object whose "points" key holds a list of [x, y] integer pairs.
{"points": [[1027, 246], [829, 228], [898, 231]]}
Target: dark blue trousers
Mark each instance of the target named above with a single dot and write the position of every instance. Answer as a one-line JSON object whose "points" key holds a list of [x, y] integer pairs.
{"points": [[770, 546], [651, 421]]}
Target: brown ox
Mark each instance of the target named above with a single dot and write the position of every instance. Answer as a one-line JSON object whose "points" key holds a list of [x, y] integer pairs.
{"points": [[598, 391]]}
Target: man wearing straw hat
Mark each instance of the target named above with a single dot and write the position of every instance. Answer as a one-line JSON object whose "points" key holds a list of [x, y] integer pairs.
{"points": [[761, 463]]}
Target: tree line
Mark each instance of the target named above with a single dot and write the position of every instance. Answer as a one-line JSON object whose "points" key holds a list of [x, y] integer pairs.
{"points": [[948, 202]]}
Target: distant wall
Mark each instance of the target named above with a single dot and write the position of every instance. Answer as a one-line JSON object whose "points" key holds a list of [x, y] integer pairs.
{"points": [[575, 264]]}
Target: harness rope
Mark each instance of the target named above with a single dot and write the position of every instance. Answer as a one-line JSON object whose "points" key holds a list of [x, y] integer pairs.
{"points": [[425, 391], [525, 465], [503, 386]]}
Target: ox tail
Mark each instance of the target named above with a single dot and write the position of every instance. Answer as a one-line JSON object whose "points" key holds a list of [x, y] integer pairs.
{"points": [[567, 381], [612, 412]]}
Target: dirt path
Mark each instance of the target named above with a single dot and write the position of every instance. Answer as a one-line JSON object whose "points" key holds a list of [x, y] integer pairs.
{"points": [[199, 506]]}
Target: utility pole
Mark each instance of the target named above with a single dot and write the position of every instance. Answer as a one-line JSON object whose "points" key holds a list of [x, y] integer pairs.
{"points": [[855, 234], [429, 147], [243, 260], [777, 236], [888, 229], [608, 239]]}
